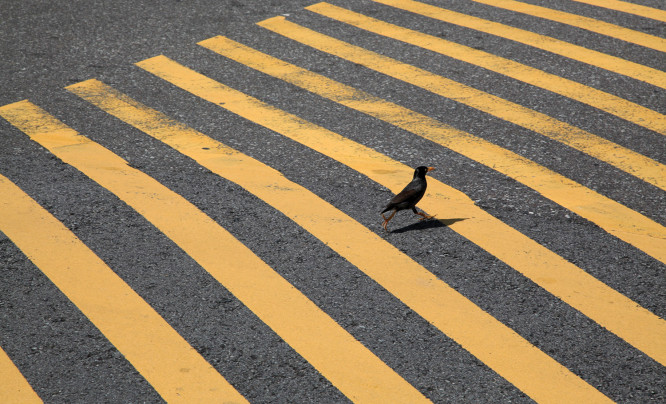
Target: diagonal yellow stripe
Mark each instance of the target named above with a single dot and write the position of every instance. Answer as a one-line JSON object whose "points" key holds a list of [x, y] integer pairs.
{"points": [[470, 96], [511, 164], [620, 221], [350, 366], [451, 312], [471, 146], [629, 8], [176, 371], [606, 102], [556, 46], [602, 149], [548, 270], [14, 388], [586, 23]]}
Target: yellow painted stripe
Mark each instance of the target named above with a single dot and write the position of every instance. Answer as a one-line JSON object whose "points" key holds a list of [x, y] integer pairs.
{"points": [[350, 366], [176, 371], [14, 388], [627, 160], [586, 23], [464, 143], [620, 221], [606, 102], [629, 8], [493, 105], [556, 46], [545, 268], [410, 282]]}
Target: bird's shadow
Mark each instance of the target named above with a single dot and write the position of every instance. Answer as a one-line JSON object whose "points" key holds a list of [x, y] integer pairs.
{"points": [[428, 224]]}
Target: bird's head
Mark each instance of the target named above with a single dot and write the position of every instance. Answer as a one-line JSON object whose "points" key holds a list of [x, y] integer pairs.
{"points": [[421, 171]]}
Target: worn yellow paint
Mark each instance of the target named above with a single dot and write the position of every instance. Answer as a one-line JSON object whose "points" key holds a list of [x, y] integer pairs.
{"points": [[547, 269], [606, 102], [553, 45], [350, 366], [613, 217], [176, 371], [14, 388], [629, 8], [464, 143], [586, 23]]}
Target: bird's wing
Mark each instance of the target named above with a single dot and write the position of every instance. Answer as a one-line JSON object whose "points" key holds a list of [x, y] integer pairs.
{"points": [[405, 194], [413, 190]]}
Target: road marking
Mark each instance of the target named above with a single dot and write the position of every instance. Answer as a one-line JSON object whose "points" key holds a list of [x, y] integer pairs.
{"points": [[574, 286], [14, 388], [392, 269], [629, 8], [606, 102], [339, 357], [618, 220], [586, 23], [561, 278], [627, 160], [493, 105], [556, 46], [176, 371]]}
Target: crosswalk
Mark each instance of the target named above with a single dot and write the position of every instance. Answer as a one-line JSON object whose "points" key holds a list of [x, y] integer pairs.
{"points": [[354, 364]]}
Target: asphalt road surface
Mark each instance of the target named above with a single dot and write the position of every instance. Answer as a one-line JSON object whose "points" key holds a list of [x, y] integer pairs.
{"points": [[190, 196]]}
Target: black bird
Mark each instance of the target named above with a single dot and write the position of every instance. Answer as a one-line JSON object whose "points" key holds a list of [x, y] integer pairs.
{"points": [[409, 197]]}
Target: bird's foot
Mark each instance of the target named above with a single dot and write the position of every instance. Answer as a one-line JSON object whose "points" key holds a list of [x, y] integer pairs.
{"points": [[387, 219], [425, 217]]}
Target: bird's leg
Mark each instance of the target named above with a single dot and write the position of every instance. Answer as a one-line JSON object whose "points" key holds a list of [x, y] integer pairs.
{"points": [[422, 214], [386, 220], [425, 216]]}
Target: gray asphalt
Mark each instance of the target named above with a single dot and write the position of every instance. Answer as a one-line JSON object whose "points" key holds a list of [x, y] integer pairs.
{"points": [[45, 47]]}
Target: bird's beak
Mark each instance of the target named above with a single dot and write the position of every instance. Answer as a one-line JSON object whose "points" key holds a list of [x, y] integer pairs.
{"points": [[430, 168]]}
